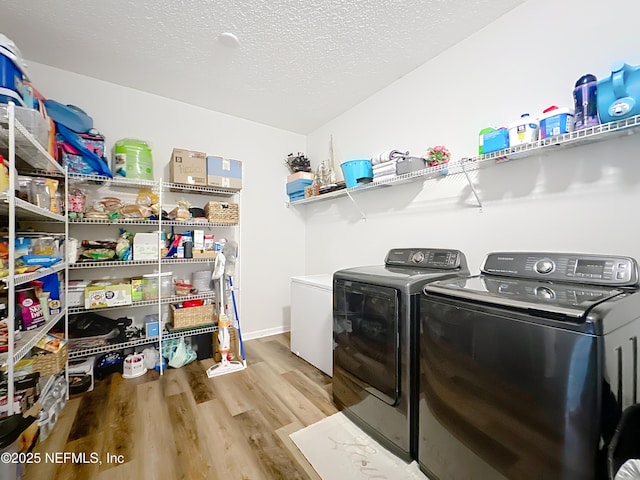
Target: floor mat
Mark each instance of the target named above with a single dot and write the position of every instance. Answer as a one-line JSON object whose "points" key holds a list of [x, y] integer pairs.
{"points": [[337, 448]]}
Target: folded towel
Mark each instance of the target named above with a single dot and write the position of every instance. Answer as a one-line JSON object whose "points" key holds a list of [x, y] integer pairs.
{"points": [[382, 178], [388, 156], [384, 168]]}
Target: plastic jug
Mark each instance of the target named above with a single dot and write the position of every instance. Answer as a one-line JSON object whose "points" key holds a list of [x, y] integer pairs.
{"points": [[524, 130], [132, 159], [585, 100], [619, 94]]}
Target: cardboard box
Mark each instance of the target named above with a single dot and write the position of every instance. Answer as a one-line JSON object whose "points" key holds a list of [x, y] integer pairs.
{"points": [[198, 239], [224, 173], [204, 254], [137, 284], [145, 246], [188, 167], [107, 293], [152, 326], [300, 176]]}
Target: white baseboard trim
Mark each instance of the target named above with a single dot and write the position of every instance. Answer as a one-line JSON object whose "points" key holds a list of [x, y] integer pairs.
{"points": [[265, 333]]}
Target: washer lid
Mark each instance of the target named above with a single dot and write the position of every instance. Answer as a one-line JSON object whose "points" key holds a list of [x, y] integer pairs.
{"points": [[409, 280], [571, 300]]}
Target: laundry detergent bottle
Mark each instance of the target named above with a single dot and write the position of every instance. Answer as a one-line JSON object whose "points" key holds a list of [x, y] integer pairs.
{"points": [[524, 130]]}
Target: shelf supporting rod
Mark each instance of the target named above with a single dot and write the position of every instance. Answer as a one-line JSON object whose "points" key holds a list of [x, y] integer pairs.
{"points": [[355, 204], [11, 286], [159, 246], [473, 187]]}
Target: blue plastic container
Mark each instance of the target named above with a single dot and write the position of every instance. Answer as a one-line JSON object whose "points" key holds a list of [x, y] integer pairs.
{"points": [[297, 186], [356, 172], [555, 121], [11, 79], [619, 93]]}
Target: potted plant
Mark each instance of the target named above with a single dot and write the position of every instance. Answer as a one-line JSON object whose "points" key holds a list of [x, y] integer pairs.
{"points": [[438, 155], [298, 163]]}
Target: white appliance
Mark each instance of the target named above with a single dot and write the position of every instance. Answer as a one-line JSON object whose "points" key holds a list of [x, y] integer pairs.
{"points": [[312, 320]]}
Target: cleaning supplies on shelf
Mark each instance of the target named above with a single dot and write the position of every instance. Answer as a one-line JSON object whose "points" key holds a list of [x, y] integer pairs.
{"points": [[619, 93], [524, 130], [585, 101], [555, 121], [481, 135], [493, 139]]}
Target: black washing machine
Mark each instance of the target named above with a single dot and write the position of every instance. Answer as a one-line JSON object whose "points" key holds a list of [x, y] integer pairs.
{"points": [[526, 368], [375, 316]]}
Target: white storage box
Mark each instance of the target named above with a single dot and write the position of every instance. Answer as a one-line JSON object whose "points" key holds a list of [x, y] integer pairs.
{"points": [[108, 293], [145, 246], [76, 292]]}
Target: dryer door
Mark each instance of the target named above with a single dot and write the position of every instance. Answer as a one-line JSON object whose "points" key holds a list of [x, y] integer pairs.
{"points": [[365, 332]]}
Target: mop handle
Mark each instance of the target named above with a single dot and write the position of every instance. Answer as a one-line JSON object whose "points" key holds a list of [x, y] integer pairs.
{"points": [[235, 310]]}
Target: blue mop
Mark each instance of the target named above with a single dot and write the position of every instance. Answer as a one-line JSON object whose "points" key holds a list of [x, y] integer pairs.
{"points": [[224, 267]]}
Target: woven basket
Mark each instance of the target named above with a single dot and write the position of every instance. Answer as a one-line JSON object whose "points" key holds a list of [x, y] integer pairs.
{"points": [[51, 363], [192, 316], [222, 212]]}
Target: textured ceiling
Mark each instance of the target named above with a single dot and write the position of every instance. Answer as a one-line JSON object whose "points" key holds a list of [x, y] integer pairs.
{"points": [[299, 63]]}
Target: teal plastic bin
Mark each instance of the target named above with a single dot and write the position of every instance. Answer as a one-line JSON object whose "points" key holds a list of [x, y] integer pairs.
{"points": [[356, 172]]}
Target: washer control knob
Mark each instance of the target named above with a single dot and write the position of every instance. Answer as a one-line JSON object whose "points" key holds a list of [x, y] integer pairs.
{"points": [[545, 293], [544, 266], [417, 257]]}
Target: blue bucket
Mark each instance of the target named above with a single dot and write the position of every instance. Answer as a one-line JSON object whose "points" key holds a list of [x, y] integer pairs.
{"points": [[356, 172]]}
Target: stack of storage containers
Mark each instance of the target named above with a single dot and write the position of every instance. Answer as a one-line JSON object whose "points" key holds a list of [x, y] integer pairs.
{"points": [[296, 182]]}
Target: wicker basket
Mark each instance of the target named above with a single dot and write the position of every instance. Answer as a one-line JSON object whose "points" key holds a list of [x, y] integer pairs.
{"points": [[222, 212], [192, 316], [51, 363]]}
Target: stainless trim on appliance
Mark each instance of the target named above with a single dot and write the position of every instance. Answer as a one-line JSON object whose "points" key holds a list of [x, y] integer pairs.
{"points": [[505, 302]]}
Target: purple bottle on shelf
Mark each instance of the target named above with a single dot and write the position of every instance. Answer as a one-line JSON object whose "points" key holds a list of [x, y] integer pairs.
{"points": [[586, 103]]}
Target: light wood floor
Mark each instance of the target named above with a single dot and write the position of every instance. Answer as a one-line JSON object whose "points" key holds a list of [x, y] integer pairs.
{"points": [[184, 425]]}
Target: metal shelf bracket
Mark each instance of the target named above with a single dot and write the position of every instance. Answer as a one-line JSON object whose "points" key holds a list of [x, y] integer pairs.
{"points": [[473, 187], [355, 204]]}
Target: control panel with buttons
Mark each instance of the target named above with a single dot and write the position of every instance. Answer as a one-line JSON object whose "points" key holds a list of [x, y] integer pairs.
{"points": [[424, 258], [591, 269]]}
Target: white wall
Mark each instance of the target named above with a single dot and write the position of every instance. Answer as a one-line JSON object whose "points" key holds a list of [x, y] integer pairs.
{"points": [[267, 260], [582, 199]]}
